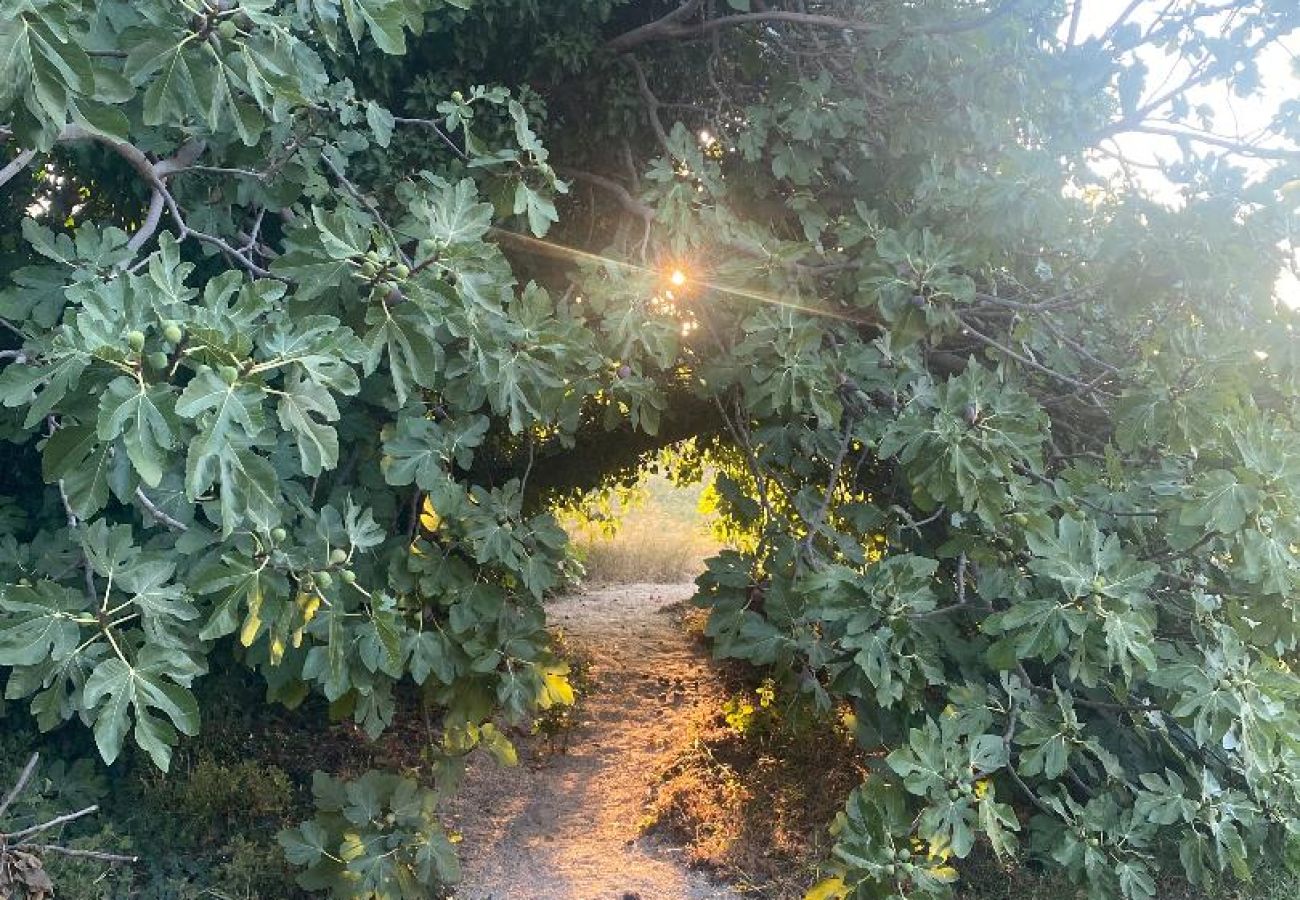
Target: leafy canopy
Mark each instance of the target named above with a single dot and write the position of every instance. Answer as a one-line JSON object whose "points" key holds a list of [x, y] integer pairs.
{"points": [[309, 307]]}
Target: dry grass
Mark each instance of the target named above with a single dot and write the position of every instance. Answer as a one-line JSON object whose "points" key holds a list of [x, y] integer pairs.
{"points": [[752, 795], [661, 537]]}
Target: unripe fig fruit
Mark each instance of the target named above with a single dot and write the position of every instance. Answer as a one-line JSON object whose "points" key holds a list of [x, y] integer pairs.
{"points": [[338, 556], [135, 340], [322, 579], [172, 333], [229, 374], [402, 270], [457, 96], [156, 360], [227, 29], [278, 534], [348, 576]]}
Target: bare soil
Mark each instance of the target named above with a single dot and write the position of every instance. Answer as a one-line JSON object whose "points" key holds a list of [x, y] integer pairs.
{"points": [[567, 825]]}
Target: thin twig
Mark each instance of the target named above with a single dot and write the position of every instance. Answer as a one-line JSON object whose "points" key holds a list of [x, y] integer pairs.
{"points": [[673, 26], [370, 207], [1011, 766], [157, 513], [73, 523], [819, 517], [52, 823], [436, 129], [1025, 360], [85, 854], [612, 187], [26, 776], [651, 102], [15, 166]]}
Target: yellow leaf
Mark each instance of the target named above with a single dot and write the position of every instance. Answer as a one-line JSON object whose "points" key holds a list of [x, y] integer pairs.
{"points": [[946, 874], [353, 847], [308, 604], [558, 689], [252, 625], [496, 743], [429, 518], [940, 850], [832, 888]]}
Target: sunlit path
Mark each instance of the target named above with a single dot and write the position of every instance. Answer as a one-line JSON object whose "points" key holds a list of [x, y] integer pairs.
{"points": [[565, 826]]}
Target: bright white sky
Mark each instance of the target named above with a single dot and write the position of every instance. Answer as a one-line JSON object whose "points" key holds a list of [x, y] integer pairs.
{"points": [[1235, 117]]}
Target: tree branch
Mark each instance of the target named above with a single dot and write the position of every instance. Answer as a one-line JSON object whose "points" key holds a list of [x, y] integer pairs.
{"points": [[819, 517], [26, 776], [18, 163], [673, 27], [1025, 360], [651, 102], [612, 187], [665, 30], [52, 823], [1072, 35], [157, 204], [370, 207], [83, 854], [155, 175], [157, 513], [436, 128], [1204, 137]]}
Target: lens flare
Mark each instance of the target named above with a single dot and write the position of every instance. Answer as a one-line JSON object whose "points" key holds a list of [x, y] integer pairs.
{"points": [[677, 278], [560, 251]]}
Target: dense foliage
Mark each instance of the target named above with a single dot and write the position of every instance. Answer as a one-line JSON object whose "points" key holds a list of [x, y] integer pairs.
{"points": [[308, 305]]}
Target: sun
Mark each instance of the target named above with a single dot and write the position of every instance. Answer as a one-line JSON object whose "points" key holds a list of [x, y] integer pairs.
{"points": [[677, 278]]}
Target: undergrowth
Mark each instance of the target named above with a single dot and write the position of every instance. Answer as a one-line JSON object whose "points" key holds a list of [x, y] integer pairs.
{"points": [[752, 796], [557, 723], [206, 829]]}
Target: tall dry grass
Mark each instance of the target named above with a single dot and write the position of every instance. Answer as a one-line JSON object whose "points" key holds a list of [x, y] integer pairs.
{"points": [[658, 535]]}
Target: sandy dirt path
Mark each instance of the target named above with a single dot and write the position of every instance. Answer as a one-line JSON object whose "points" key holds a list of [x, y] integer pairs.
{"points": [[565, 826]]}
